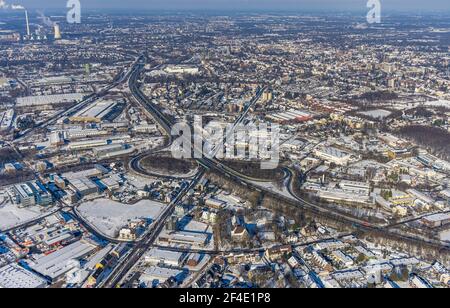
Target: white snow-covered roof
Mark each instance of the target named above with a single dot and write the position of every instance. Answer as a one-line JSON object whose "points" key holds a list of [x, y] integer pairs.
{"points": [[12, 276]]}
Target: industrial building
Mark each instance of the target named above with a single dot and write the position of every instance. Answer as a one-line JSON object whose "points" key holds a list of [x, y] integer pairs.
{"points": [[437, 220], [184, 238], [343, 196], [85, 133], [103, 150], [56, 138], [355, 187], [87, 144], [169, 258], [33, 101], [290, 116], [333, 155], [58, 263], [123, 151], [158, 274], [13, 276], [98, 112], [181, 69], [111, 183], [43, 197], [84, 186], [53, 80], [24, 195], [31, 193]]}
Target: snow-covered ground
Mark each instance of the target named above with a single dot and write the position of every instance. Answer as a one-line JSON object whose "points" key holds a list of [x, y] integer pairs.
{"points": [[109, 216], [377, 114], [445, 235], [438, 103], [139, 182], [197, 226], [274, 188], [11, 215]]}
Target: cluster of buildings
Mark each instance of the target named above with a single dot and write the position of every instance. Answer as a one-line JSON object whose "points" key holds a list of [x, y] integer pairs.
{"points": [[30, 193], [344, 112]]}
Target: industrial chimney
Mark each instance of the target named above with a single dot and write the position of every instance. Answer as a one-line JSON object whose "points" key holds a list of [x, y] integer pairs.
{"points": [[28, 24], [57, 32]]}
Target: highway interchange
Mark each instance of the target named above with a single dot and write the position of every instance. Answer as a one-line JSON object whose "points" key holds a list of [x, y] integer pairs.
{"points": [[212, 164]]}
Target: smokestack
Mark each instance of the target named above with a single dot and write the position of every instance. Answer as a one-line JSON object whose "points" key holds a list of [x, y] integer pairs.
{"points": [[28, 23], [57, 32]]}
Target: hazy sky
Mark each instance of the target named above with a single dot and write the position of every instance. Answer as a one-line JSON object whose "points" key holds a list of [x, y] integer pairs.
{"points": [[343, 5]]}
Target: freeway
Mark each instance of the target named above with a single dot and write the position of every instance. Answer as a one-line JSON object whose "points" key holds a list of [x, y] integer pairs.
{"points": [[165, 123], [135, 165], [212, 164]]}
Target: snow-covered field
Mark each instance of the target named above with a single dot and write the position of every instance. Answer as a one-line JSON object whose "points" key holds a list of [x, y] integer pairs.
{"points": [[109, 216], [274, 187], [11, 215], [377, 114], [197, 226], [438, 103], [445, 235]]}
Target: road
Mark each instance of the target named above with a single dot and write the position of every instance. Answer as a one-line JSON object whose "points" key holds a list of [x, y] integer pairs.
{"points": [[364, 225], [212, 164], [137, 252], [148, 240], [150, 237]]}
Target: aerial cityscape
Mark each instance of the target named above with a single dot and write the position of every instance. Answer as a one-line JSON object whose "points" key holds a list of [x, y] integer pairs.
{"points": [[223, 149]]}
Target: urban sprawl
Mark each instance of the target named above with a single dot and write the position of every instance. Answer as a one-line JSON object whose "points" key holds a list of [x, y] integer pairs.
{"points": [[91, 195]]}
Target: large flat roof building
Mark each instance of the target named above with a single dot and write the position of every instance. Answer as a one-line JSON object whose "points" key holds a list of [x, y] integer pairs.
{"points": [[13, 276], [333, 155], [60, 262], [95, 112], [24, 195], [157, 256], [31, 101]]}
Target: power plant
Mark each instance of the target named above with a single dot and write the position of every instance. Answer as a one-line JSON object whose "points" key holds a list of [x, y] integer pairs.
{"points": [[57, 32], [28, 23], [39, 35]]}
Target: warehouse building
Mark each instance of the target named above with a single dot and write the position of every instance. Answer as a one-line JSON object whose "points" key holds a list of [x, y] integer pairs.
{"points": [[88, 144], [57, 264], [436, 220], [31, 193], [103, 150], [33, 101], [333, 155], [13, 276], [184, 238], [85, 133], [98, 112], [169, 258], [158, 275], [84, 187]]}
